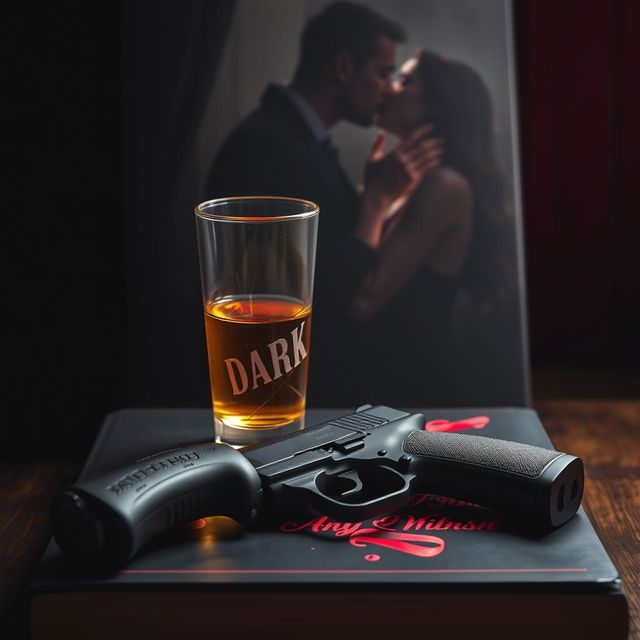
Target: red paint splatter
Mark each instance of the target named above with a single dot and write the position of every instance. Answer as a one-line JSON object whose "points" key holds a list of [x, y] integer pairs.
{"points": [[412, 543], [372, 557], [478, 422]]}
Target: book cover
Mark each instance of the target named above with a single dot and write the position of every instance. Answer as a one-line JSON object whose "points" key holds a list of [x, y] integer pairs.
{"points": [[458, 563]]}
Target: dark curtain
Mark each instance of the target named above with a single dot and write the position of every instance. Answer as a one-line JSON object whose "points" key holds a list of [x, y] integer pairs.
{"points": [[579, 86], [171, 53], [100, 108], [63, 335]]}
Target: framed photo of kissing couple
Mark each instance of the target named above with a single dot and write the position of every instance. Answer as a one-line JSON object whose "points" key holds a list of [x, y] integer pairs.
{"points": [[398, 119]]}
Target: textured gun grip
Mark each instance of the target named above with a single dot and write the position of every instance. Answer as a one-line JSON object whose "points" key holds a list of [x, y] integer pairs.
{"points": [[539, 485], [499, 455]]}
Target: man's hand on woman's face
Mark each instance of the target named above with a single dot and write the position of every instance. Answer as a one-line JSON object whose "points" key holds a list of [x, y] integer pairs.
{"points": [[390, 175]]}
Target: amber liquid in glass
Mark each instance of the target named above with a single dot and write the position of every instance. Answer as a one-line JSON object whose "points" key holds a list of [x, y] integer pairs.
{"points": [[258, 349]]}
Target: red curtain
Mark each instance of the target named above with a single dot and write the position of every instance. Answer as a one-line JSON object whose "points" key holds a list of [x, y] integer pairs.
{"points": [[579, 91]]}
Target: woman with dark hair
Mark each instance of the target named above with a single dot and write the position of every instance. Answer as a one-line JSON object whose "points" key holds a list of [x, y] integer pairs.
{"points": [[450, 233]]}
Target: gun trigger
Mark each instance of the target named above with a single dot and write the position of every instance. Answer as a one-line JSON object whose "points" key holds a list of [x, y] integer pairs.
{"points": [[351, 476]]}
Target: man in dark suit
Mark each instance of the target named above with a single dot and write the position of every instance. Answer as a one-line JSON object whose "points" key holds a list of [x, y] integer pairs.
{"points": [[283, 148]]}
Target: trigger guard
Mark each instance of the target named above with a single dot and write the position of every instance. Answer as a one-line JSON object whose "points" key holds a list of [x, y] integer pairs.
{"points": [[310, 488]]}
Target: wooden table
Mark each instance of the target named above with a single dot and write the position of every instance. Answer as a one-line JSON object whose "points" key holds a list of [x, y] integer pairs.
{"points": [[605, 433]]}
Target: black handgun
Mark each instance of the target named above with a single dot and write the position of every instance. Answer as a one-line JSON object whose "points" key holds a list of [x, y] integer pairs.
{"points": [[352, 468]]}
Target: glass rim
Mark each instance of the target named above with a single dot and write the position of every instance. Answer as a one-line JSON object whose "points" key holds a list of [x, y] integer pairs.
{"points": [[314, 209]]}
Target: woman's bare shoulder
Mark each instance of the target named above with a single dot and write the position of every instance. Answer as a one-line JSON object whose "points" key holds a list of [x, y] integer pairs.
{"points": [[445, 179], [444, 189]]}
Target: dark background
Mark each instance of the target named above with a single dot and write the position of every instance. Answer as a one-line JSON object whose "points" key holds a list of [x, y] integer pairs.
{"points": [[68, 256]]}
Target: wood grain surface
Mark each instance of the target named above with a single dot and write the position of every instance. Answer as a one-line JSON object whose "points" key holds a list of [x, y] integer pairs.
{"points": [[604, 433], [26, 490]]}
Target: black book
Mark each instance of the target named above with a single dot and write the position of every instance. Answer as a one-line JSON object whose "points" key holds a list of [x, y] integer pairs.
{"points": [[439, 565]]}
